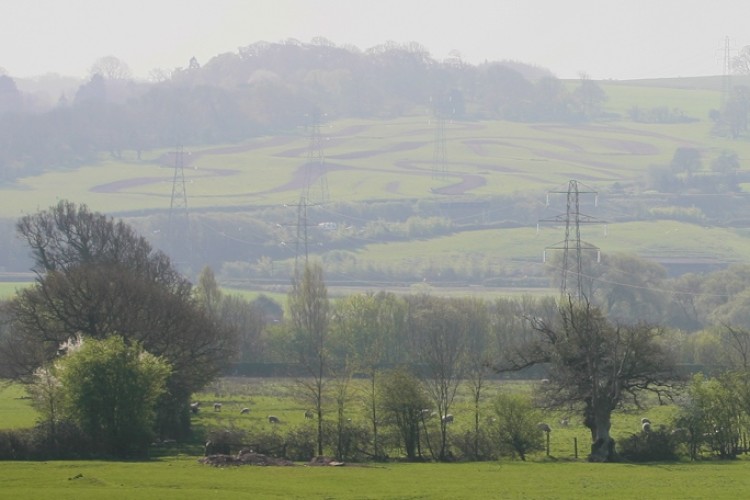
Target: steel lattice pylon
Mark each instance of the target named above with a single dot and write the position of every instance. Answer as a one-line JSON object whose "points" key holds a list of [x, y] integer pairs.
{"points": [[315, 168], [572, 268], [178, 227]]}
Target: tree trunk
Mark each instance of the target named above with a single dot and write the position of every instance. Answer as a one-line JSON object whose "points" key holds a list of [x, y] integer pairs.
{"points": [[603, 446]]}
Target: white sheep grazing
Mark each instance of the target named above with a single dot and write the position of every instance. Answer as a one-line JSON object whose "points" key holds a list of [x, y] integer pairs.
{"points": [[447, 419], [544, 427], [644, 420], [646, 426], [272, 419], [244, 411], [309, 414], [217, 406], [194, 407]]}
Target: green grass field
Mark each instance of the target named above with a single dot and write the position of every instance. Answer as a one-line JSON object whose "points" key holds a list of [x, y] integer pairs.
{"points": [[183, 477], [393, 159]]}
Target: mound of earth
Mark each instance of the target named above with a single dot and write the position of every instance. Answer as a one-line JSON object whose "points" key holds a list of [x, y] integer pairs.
{"points": [[244, 458], [324, 462]]}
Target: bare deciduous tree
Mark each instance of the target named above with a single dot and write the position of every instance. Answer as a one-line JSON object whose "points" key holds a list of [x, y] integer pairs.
{"points": [[595, 366]]}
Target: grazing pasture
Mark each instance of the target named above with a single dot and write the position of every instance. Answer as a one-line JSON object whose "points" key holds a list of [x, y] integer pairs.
{"points": [[176, 473]]}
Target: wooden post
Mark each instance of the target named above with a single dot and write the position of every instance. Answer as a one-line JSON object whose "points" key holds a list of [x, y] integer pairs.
{"points": [[547, 433], [575, 447]]}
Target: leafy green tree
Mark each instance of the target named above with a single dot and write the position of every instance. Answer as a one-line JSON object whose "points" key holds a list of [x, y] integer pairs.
{"points": [[713, 415], [480, 353], [589, 97], [627, 286], [726, 162], [110, 389], [517, 424], [364, 327], [309, 315], [686, 160], [402, 399], [439, 329]]}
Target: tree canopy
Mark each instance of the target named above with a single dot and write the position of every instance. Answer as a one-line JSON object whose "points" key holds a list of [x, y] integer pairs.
{"points": [[96, 277]]}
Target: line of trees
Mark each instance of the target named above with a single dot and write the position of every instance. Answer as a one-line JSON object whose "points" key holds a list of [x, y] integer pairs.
{"points": [[97, 280]]}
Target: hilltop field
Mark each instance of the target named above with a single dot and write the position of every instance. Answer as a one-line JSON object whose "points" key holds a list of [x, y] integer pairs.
{"points": [[473, 164]]}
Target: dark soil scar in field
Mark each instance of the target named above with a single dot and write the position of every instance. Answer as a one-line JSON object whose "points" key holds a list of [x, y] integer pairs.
{"points": [[538, 148]]}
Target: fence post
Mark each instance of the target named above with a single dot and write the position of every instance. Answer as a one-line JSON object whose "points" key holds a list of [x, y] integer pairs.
{"points": [[575, 447]]}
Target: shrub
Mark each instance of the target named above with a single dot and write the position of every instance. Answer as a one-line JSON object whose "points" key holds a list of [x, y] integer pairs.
{"points": [[110, 390], [300, 443], [464, 446], [653, 446]]}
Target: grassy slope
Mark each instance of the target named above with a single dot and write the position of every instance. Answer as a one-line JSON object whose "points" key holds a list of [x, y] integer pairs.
{"points": [[375, 159], [371, 159]]}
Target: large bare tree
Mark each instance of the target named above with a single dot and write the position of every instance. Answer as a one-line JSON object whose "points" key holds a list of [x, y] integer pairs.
{"points": [[595, 367]]}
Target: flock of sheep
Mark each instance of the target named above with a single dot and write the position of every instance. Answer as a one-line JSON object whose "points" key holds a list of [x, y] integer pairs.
{"points": [[426, 413], [272, 419]]}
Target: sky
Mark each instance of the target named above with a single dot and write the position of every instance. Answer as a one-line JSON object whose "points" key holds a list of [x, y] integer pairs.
{"points": [[604, 39]]}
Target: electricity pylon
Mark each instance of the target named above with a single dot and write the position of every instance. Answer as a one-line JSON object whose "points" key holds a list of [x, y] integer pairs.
{"points": [[178, 227], [439, 165], [571, 282], [315, 168]]}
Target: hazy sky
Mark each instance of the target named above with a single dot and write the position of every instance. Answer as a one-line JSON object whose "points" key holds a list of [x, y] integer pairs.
{"points": [[619, 39]]}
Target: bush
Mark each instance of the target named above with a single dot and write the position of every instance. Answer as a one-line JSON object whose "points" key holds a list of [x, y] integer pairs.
{"points": [[40, 443], [469, 446], [349, 442], [110, 389], [654, 446], [223, 441], [300, 443], [15, 444]]}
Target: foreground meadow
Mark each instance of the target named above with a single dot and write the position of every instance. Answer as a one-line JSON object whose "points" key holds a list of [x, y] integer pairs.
{"points": [[183, 477]]}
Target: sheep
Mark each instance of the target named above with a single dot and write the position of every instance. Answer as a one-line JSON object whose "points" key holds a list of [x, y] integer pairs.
{"points": [[273, 419], [544, 381], [217, 406], [544, 427], [194, 407], [309, 414], [426, 413], [644, 420], [564, 422], [646, 426], [447, 419], [244, 411]]}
